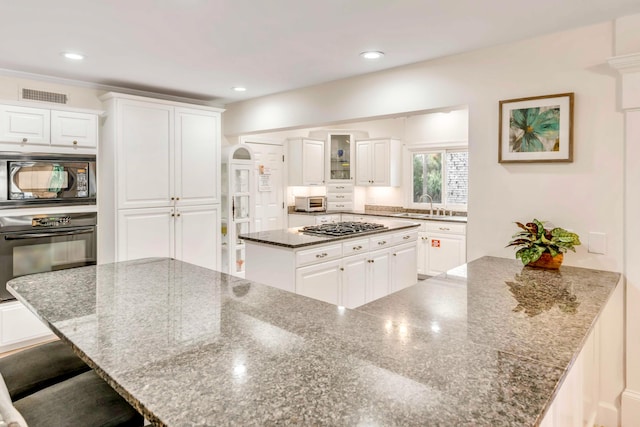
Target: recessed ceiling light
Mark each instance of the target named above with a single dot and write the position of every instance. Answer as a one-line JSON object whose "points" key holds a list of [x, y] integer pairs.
{"points": [[239, 88], [74, 56], [372, 54]]}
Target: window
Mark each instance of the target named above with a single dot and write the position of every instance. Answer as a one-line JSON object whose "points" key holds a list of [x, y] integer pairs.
{"points": [[440, 177]]}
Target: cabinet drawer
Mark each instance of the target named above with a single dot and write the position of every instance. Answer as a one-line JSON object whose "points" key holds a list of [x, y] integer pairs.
{"points": [[355, 247], [445, 227], [340, 206], [339, 188], [325, 253], [406, 237], [340, 197], [381, 241], [327, 219]]}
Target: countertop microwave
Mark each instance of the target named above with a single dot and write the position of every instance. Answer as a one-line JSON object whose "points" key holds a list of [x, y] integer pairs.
{"points": [[311, 204]]}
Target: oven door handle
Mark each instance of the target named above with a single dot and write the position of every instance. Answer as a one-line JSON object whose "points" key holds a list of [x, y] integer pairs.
{"points": [[24, 236]]}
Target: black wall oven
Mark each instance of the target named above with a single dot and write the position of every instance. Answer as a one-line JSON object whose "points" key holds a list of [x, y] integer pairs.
{"points": [[38, 243], [32, 179]]}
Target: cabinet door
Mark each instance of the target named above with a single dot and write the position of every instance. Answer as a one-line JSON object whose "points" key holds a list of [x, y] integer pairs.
{"points": [[339, 158], [364, 155], [312, 162], [445, 252], [354, 276], [197, 235], [296, 220], [24, 125], [379, 275], [19, 327], [423, 253], [145, 155], [403, 266], [197, 157], [320, 281], [70, 129], [144, 233], [380, 162]]}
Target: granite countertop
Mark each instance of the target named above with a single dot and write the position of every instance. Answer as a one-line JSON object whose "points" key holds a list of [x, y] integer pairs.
{"points": [[395, 214], [294, 237], [484, 345]]}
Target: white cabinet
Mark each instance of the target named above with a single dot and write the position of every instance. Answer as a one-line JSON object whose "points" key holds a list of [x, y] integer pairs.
{"points": [[378, 275], [305, 161], [327, 219], [71, 129], [403, 266], [378, 162], [299, 220], [159, 177], [191, 223], [19, 327], [320, 281], [24, 125], [441, 246], [354, 288], [339, 155]]}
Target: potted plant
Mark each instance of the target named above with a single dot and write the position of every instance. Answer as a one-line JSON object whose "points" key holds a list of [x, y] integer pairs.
{"points": [[539, 247]]}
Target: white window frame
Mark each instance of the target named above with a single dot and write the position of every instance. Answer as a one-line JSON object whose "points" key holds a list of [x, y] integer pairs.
{"points": [[443, 148]]}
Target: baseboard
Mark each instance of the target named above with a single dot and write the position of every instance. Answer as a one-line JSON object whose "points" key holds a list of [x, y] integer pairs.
{"points": [[630, 408], [608, 415]]}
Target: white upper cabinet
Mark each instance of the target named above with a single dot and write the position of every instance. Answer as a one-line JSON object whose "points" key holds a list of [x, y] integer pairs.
{"points": [[340, 154], [197, 157], [306, 161], [378, 162], [71, 129], [145, 146], [24, 125]]}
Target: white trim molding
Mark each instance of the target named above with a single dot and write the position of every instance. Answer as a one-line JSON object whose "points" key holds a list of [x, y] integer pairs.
{"points": [[625, 63], [630, 408]]}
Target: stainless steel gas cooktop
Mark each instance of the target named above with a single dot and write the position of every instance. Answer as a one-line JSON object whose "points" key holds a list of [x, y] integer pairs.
{"points": [[342, 228]]}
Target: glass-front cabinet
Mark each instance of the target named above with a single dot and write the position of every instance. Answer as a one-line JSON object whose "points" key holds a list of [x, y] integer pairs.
{"points": [[237, 205], [340, 157]]}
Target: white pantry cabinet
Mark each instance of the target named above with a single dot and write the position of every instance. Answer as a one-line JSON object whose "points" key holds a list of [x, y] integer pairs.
{"points": [[378, 162], [19, 327], [160, 173], [305, 160]]}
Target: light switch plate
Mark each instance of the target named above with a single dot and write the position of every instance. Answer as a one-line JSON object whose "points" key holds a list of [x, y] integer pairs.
{"points": [[597, 243]]}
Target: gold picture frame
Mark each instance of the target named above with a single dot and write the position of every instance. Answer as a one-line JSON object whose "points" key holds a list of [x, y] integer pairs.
{"points": [[536, 129]]}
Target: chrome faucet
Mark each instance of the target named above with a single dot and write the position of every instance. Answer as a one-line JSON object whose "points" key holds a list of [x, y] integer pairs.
{"points": [[421, 199]]}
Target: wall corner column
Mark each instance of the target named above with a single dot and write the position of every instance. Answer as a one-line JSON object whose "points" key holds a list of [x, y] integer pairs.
{"points": [[629, 68]]}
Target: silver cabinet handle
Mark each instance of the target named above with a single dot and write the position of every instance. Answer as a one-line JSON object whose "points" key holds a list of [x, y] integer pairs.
{"points": [[382, 242], [75, 142], [406, 237], [395, 254], [357, 248], [444, 228], [322, 255], [340, 187], [340, 206], [339, 197], [24, 140]]}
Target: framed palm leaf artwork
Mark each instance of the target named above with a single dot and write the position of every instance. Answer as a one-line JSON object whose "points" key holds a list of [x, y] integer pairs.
{"points": [[536, 129]]}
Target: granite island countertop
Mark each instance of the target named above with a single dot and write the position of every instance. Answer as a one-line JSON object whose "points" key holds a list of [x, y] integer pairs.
{"points": [[485, 344], [295, 237]]}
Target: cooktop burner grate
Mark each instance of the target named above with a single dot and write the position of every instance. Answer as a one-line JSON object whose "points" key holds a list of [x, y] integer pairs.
{"points": [[342, 228]]}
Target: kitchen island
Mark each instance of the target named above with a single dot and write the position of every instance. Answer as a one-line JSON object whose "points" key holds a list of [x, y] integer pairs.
{"points": [[487, 344], [345, 263]]}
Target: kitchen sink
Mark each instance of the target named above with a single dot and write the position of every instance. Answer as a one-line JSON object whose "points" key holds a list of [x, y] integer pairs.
{"points": [[413, 215]]}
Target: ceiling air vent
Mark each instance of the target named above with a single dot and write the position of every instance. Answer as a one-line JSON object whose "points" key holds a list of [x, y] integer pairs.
{"points": [[39, 95]]}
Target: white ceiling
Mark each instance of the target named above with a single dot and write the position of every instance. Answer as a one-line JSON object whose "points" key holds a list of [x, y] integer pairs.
{"points": [[201, 48]]}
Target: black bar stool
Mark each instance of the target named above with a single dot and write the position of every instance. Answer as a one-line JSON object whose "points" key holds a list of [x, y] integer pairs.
{"points": [[50, 386]]}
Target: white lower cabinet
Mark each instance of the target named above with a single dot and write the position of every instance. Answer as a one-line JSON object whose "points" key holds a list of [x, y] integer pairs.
{"points": [[188, 233], [441, 246], [358, 278], [19, 327]]}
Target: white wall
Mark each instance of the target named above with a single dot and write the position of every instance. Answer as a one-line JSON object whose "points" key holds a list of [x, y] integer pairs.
{"points": [[78, 97], [584, 195]]}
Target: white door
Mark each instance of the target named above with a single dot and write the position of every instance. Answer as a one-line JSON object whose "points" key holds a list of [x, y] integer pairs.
{"points": [[363, 162], [269, 203], [312, 162], [197, 235], [24, 125], [403, 266], [354, 280], [69, 129], [320, 281], [197, 157], [379, 275], [145, 155], [144, 233]]}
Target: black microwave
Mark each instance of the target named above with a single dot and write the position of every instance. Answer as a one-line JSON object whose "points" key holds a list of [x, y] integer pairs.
{"points": [[28, 179]]}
